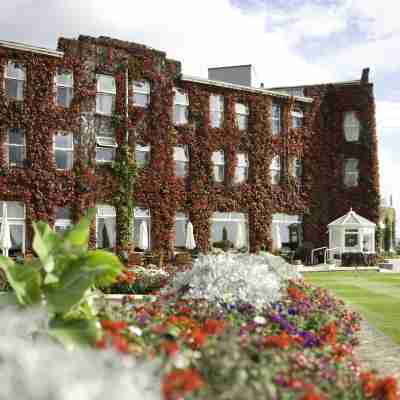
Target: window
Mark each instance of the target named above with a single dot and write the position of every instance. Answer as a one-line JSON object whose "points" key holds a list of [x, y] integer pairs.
{"points": [[351, 172], [218, 160], [297, 118], [216, 110], [63, 219], [242, 115], [140, 215], [64, 150], [15, 212], [14, 80], [64, 88], [275, 169], [15, 148], [351, 238], [181, 107], [142, 155], [296, 168], [105, 226], [141, 94], [351, 126], [276, 119], [106, 92], [105, 141], [181, 221], [231, 222], [242, 168], [286, 230], [181, 158]]}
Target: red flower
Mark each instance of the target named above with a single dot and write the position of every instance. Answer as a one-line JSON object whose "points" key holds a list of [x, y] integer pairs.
{"points": [[328, 333], [101, 344], [198, 337], [295, 294], [169, 347], [113, 325], [119, 343], [386, 389], [283, 340], [214, 326], [179, 382], [311, 395]]}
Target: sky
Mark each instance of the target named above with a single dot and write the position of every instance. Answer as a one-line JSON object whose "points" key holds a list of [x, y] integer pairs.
{"points": [[289, 42]]}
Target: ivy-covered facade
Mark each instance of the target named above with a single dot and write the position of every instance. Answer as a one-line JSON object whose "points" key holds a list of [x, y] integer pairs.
{"points": [[113, 124]]}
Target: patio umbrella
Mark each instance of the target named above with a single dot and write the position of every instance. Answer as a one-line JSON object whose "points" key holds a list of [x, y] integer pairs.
{"points": [[5, 236], [143, 236], [190, 242], [277, 237], [239, 240]]}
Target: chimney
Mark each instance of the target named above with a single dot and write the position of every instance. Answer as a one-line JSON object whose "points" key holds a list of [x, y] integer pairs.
{"points": [[237, 74], [365, 75]]}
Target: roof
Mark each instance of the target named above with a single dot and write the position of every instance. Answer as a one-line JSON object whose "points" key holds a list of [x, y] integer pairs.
{"points": [[352, 219], [31, 49], [339, 83], [243, 88]]}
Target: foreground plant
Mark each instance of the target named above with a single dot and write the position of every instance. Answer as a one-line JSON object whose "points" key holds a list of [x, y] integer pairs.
{"points": [[62, 278]]}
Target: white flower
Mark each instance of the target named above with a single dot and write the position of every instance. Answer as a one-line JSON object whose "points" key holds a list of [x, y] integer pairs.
{"points": [[135, 330], [260, 320]]}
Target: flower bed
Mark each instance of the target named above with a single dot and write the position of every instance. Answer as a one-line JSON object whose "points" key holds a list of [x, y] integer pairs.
{"points": [[300, 347]]}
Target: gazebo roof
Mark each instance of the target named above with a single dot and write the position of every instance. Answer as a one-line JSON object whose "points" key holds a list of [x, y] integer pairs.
{"points": [[352, 219]]}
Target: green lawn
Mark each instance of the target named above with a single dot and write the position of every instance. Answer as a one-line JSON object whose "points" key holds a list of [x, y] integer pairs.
{"points": [[375, 295]]}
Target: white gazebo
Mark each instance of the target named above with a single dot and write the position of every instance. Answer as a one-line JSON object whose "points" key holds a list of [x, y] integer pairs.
{"points": [[351, 233]]}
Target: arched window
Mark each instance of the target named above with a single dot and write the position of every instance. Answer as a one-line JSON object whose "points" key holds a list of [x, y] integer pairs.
{"points": [[351, 127]]}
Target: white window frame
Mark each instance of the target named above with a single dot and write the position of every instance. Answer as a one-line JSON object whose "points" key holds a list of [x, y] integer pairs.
{"points": [[142, 213], [242, 162], [7, 146], [110, 213], [184, 161], [275, 166], [276, 118], [23, 80], [16, 222], [242, 111], [218, 161], [63, 223], [59, 85], [142, 87], [181, 216], [99, 92], [351, 176], [216, 110], [351, 126], [139, 148], [181, 99], [67, 150], [297, 115], [105, 142], [297, 165]]}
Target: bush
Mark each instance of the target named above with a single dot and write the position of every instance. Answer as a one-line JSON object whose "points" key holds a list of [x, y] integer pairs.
{"points": [[359, 259]]}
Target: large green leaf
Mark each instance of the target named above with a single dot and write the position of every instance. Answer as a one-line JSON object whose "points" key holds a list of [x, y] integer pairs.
{"points": [[25, 279], [78, 236], [70, 288], [73, 331], [107, 266], [44, 243]]}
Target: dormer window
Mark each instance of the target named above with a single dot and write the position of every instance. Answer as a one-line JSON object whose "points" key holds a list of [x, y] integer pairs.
{"points": [[14, 80], [141, 94]]}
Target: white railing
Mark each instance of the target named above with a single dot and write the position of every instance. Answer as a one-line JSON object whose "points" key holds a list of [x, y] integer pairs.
{"points": [[328, 251], [314, 250]]}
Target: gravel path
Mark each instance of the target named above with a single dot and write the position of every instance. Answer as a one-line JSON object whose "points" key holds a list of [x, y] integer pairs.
{"points": [[377, 351]]}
